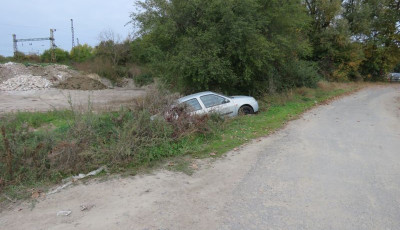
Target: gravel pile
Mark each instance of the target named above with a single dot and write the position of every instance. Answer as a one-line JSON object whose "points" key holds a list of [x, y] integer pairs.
{"points": [[25, 82], [54, 72], [20, 77]]}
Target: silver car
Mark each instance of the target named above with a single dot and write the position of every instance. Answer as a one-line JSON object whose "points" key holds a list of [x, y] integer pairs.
{"points": [[208, 102], [394, 77]]}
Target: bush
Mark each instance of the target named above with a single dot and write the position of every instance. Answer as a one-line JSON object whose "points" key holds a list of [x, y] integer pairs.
{"points": [[21, 57], [61, 55], [103, 67], [397, 68], [301, 74], [143, 79], [3, 59], [81, 53]]}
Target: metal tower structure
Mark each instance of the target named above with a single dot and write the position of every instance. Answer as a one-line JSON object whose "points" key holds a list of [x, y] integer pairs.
{"points": [[72, 31], [52, 46], [51, 38]]}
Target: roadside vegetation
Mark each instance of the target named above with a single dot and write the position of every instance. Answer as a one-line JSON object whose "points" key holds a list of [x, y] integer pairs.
{"points": [[39, 149]]}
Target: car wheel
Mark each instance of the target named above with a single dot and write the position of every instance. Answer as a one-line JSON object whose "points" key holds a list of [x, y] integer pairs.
{"points": [[245, 110]]}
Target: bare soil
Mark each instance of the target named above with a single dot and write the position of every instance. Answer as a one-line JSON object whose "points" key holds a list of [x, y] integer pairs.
{"points": [[80, 83], [49, 99]]}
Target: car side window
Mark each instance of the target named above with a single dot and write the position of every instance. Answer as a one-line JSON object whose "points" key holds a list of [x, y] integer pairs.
{"points": [[211, 100], [193, 104]]}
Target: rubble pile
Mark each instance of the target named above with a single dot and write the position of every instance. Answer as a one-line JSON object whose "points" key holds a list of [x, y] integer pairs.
{"points": [[11, 69], [25, 82], [53, 72], [30, 76]]}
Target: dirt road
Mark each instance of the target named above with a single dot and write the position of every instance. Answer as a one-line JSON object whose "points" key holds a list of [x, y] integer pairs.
{"points": [[337, 167], [48, 99]]}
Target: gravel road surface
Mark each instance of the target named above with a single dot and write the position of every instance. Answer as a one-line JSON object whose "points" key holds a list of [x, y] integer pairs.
{"points": [[337, 167]]}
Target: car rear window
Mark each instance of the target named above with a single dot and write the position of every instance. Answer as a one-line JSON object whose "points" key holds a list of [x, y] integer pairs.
{"points": [[193, 104]]}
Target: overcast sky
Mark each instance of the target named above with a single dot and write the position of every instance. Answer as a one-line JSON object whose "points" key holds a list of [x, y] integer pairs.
{"points": [[34, 18]]}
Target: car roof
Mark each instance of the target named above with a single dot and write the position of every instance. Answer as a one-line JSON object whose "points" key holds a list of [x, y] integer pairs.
{"points": [[195, 95]]}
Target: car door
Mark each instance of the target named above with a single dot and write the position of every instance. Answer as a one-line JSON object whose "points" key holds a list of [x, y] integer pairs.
{"points": [[218, 104]]}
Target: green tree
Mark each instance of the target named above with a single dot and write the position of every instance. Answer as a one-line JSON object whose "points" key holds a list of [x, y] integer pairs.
{"points": [[339, 56], [81, 53], [397, 68], [60, 54], [112, 48], [226, 45], [375, 23]]}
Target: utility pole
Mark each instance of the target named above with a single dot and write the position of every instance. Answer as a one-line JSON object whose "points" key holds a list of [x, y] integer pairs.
{"points": [[77, 41], [72, 30]]}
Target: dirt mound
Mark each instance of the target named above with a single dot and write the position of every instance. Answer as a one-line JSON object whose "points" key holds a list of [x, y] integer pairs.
{"points": [[80, 83]]}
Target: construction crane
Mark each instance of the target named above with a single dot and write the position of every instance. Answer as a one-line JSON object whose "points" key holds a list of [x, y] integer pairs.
{"points": [[51, 38]]}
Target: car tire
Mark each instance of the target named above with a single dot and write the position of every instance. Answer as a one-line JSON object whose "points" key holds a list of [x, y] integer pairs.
{"points": [[246, 110]]}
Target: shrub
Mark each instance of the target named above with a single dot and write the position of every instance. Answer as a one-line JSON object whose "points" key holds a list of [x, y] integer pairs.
{"points": [[301, 74], [21, 57], [3, 59], [60, 55], [143, 79], [102, 66], [397, 68], [81, 53]]}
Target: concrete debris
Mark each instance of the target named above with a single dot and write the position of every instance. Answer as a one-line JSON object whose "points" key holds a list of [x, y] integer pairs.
{"points": [[86, 207], [64, 213], [9, 63], [25, 82], [70, 180]]}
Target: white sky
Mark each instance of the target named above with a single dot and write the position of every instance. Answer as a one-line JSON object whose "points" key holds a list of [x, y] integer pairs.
{"points": [[34, 18]]}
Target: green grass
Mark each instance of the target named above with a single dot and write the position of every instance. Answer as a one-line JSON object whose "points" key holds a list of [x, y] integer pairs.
{"points": [[36, 120], [100, 139], [274, 114]]}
